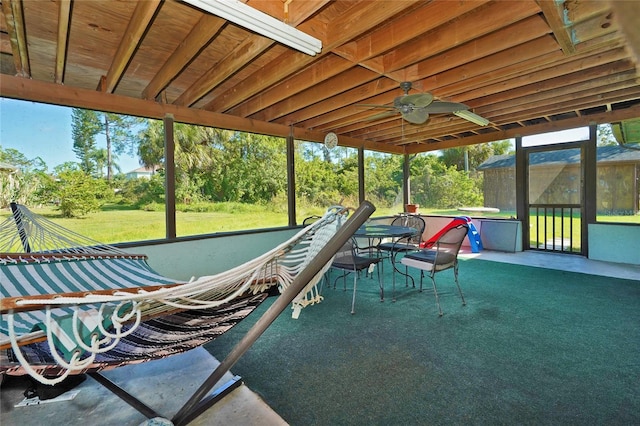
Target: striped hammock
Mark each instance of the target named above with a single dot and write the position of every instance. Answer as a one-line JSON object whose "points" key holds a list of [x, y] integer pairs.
{"points": [[72, 305]]}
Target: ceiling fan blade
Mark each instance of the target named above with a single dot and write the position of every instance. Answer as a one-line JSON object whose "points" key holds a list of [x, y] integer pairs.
{"points": [[441, 107], [416, 116], [472, 117], [418, 100], [380, 116]]}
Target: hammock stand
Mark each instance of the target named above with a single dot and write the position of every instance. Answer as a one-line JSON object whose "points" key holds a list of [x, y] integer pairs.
{"points": [[129, 304]]}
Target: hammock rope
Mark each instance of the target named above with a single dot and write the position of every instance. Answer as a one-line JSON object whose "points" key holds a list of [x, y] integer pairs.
{"points": [[91, 331], [27, 229]]}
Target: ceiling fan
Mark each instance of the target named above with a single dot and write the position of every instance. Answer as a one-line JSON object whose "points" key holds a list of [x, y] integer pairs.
{"points": [[415, 108]]}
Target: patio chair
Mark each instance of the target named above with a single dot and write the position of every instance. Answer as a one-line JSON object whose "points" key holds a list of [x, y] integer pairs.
{"points": [[311, 219], [404, 244], [442, 256], [348, 260]]}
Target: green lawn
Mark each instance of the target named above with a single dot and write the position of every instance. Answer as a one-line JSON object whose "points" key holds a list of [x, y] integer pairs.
{"points": [[115, 224], [541, 233]]}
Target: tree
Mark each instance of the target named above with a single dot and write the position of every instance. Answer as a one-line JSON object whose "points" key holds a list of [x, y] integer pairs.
{"points": [[219, 165], [84, 128], [605, 135], [118, 131], [77, 193], [25, 184], [383, 178], [469, 157]]}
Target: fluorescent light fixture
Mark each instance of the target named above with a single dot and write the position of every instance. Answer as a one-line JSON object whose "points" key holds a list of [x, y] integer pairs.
{"points": [[261, 23], [474, 118]]}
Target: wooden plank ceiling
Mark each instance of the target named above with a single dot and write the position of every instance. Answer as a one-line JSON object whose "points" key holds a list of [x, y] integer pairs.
{"points": [[527, 66]]}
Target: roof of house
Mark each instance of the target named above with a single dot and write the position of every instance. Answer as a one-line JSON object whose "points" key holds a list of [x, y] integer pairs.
{"points": [[609, 153], [145, 170]]}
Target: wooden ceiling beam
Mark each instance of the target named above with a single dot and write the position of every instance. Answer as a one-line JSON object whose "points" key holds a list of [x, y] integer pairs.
{"points": [[447, 125], [352, 129], [374, 44], [247, 50], [326, 68], [342, 122], [458, 129], [545, 97], [429, 17], [599, 118], [518, 67], [538, 80], [325, 111], [14, 17], [292, 12], [357, 20], [581, 11], [627, 16], [244, 53], [201, 33], [138, 24], [439, 70], [450, 126], [64, 16], [367, 51], [480, 70], [444, 127], [316, 96], [485, 20], [596, 27], [490, 52], [584, 100], [554, 14]]}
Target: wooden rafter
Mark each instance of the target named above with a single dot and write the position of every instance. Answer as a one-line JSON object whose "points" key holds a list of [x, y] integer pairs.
{"points": [[201, 34], [553, 13], [361, 53], [141, 19], [486, 64], [14, 17], [327, 67], [235, 60], [309, 100], [64, 15], [600, 118], [358, 21], [246, 51]]}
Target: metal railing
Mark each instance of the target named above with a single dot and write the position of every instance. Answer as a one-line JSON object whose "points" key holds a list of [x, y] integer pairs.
{"points": [[555, 227]]}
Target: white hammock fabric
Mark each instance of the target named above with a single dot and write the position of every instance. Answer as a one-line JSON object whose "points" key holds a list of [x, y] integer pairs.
{"points": [[83, 327]]}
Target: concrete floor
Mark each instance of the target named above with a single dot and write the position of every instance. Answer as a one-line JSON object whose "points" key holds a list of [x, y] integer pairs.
{"points": [[166, 384], [561, 261]]}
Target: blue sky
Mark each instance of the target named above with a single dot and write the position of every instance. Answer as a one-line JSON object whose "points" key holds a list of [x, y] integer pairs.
{"points": [[40, 130]]}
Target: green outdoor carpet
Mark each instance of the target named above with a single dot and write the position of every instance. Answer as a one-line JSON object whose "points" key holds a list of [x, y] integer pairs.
{"points": [[532, 346]]}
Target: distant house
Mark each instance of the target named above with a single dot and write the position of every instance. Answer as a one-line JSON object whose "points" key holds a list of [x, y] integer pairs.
{"points": [[555, 179], [142, 172], [7, 168]]}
